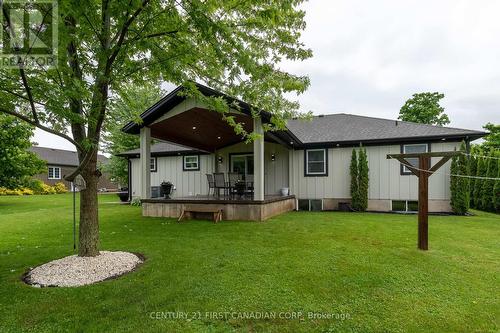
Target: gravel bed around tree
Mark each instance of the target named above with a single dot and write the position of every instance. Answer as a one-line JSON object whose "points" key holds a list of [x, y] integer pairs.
{"points": [[73, 271]]}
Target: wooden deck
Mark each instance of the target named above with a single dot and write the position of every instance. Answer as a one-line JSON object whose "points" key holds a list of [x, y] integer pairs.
{"points": [[244, 209]]}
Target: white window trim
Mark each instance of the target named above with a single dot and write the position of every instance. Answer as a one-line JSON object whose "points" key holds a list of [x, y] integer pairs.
{"points": [[324, 163], [53, 172], [185, 168], [405, 168], [153, 159]]}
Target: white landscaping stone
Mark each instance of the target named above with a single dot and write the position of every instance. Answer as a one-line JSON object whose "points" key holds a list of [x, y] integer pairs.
{"points": [[75, 271]]}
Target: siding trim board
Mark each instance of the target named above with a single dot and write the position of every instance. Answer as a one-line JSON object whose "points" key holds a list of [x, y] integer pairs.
{"points": [[184, 162], [382, 142], [324, 174]]}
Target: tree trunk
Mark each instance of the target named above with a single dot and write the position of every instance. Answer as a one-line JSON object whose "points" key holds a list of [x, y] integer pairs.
{"points": [[89, 219]]}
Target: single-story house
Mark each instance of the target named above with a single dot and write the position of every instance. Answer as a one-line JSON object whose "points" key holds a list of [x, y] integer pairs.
{"points": [[310, 157], [61, 163]]}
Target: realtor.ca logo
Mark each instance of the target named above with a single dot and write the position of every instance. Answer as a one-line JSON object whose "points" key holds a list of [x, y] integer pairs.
{"points": [[28, 36]]}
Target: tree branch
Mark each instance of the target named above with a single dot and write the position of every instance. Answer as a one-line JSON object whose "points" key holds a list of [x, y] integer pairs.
{"points": [[42, 127]]}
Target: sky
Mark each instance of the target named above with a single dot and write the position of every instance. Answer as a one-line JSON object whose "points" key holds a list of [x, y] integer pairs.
{"points": [[369, 57]]}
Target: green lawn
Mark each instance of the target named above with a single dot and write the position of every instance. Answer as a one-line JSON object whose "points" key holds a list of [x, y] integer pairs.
{"points": [[364, 267]]}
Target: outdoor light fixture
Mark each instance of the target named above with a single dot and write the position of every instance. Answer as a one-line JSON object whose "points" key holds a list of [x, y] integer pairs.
{"points": [[194, 127], [220, 159], [218, 138], [273, 157]]}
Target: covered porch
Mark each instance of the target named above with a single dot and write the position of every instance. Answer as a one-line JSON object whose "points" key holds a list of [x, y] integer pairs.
{"points": [[187, 122]]}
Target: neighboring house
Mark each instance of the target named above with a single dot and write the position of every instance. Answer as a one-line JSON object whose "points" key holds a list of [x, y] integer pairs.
{"points": [[61, 163], [311, 158]]}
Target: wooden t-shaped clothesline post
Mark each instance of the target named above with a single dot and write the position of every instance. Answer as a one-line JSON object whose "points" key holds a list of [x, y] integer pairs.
{"points": [[423, 172]]}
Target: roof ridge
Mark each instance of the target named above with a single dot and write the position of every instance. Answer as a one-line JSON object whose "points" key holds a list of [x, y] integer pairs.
{"points": [[398, 120], [65, 150], [69, 151]]}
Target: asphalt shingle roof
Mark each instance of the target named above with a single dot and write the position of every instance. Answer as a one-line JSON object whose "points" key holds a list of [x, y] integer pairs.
{"points": [[61, 157], [345, 128], [352, 128], [161, 147]]}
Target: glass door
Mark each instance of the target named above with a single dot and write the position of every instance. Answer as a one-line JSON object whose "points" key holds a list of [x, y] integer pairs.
{"points": [[242, 164]]}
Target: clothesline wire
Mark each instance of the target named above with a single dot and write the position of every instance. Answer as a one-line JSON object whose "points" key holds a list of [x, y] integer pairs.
{"points": [[448, 174], [481, 156]]}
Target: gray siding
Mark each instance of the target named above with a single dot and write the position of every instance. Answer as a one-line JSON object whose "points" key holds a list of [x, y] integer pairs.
{"points": [[386, 183], [169, 168]]}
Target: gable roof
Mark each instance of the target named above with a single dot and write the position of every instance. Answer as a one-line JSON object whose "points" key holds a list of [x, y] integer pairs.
{"points": [[175, 97], [163, 149], [61, 157], [351, 129], [328, 130]]}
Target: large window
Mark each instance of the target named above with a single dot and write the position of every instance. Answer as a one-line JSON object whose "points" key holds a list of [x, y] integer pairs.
{"points": [[413, 148], [152, 164], [191, 163], [54, 172], [316, 162]]}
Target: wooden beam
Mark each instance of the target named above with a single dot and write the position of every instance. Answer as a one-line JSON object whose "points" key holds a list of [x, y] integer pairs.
{"points": [[417, 155], [439, 164], [408, 165], [423, 203]]}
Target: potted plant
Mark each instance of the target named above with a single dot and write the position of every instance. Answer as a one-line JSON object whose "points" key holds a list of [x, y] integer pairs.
{"points": [[240, 187], [166, 189], [123, 194]]}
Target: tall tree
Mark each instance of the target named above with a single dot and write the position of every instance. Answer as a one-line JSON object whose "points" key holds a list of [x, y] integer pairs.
{"points": [[496, 192], [235, 47], [478, 183], [473, 170], [130, 101], [459, 185], [424, 108], [17, 163], [492, 140], [354, 170], [487, 191], [363, 180]]}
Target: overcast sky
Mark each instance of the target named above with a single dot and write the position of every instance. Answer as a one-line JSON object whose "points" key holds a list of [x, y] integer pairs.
{"points": [[371, 56]]}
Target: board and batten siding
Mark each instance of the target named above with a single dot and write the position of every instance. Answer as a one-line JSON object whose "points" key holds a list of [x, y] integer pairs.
{"points": [[169, 168], [386, 181], [275, 172], [187, 183]]}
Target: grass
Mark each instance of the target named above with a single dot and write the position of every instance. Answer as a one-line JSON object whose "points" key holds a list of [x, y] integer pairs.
{"points": [[363, 269]]}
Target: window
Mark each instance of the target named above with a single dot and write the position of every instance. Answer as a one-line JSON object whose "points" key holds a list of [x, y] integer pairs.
{"points": [[313, 205], [191, 163], [54, 172], [316, 162], [404, 206], [152, 164], [413, 148]]}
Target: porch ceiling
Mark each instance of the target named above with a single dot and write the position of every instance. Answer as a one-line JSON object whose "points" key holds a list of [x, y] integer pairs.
{"points": [[200, 128]]}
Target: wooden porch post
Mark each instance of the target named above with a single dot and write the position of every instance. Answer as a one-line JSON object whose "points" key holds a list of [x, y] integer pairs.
{"points": [[258, 160], [423, 202], [145, 162], [423, 172]]}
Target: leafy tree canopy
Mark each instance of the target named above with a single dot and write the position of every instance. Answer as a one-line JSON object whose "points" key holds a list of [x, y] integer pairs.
{"points": [[130, 101], [236, 47], [17, 164], [424, 108], [492, 140]]}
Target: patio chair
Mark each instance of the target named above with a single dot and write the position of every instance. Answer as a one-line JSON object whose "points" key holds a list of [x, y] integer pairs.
{"points": [[220, 183], [211, 183], [249, 182], [234, 177]]}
